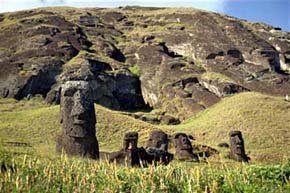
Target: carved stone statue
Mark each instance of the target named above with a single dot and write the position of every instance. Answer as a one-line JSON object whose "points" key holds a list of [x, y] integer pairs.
{"points": [[183, 148], [130, 154], [237, 147], [130, 141], [157, 147], [78, 136]]}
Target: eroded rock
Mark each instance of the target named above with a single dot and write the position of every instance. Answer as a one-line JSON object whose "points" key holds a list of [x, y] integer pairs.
{"points": [[37, 45]]}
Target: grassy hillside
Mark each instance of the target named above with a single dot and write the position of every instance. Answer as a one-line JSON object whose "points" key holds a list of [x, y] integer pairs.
{"points": [[262, 119], [39, 125]]}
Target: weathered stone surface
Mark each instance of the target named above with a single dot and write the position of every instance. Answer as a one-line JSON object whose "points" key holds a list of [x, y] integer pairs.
{"points": [[158, 139], [157, 147], [237, 147], [170, 51], [119, 91], [130, 154], [78, 136], [89, 20], [183, 148], [130, 141], [204, 151], [36, 48], [169, 120]]}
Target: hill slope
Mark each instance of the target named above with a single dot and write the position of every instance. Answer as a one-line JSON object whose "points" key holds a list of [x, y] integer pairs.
{"points": [[262, 119]]}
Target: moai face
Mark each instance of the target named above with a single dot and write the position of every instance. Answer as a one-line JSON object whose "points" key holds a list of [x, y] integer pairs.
{"points": [[158, 139], [182, 142], [183, 148], [237, 146], [77, 109], [130, 141]]}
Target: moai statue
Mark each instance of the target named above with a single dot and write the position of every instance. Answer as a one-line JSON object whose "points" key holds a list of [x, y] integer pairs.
{"points": [[78, 136], [130, 141], [183, 148], [130, 154], [157, 147], [237, 147]]}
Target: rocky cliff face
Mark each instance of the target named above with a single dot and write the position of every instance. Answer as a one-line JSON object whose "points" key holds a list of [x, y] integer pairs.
{"points": [[180, 61]]}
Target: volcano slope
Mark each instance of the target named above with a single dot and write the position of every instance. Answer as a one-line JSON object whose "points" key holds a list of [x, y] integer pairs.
{"points": [[187, 64], [179, 61]]}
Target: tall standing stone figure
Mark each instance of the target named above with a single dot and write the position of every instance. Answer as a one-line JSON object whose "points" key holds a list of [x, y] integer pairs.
{"points": [[237, 146], [78, 136]]}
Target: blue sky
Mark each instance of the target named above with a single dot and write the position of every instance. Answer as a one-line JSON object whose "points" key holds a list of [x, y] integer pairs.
{"points": [[273, 12]]}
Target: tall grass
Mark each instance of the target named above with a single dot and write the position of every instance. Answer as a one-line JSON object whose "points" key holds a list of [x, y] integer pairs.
{"points": [[31, 174]]}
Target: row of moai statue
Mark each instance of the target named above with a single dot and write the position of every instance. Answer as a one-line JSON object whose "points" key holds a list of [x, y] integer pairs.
{"points": [[78, 136]]}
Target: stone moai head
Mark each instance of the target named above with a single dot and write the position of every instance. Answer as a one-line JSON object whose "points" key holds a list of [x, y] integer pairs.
{"points": [[183, 147], [237, 146], [182, 142], [77, 109], [130, 141], [158, 139]]}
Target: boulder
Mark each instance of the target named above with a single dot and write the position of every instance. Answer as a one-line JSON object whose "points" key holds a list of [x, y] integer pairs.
{"points": [[169, 120]]}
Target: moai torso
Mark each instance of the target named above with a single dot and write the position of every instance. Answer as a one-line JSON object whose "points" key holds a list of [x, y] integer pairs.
{"points": [[78, 120]]}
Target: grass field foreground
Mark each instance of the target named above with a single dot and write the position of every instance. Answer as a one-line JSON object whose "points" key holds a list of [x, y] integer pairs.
{"points": [[32, 174]]}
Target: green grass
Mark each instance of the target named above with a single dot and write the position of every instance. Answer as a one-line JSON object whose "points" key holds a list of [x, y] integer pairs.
{"points": [[216, 77], [262, 119], [31, 174], [135, 70], [38, 125]]}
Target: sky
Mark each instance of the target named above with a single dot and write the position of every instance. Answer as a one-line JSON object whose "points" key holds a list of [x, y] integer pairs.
{"points": [[273, 12]]}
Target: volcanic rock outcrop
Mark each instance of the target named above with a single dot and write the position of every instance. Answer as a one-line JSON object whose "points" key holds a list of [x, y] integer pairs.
{"points": [[179, 61]]}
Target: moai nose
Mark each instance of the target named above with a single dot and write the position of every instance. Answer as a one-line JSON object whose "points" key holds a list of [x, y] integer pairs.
{"points": [[163, 147], [183, 140], [78, 107], [238, 140]]}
